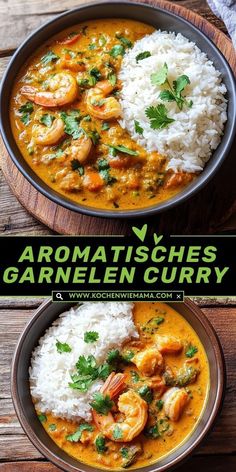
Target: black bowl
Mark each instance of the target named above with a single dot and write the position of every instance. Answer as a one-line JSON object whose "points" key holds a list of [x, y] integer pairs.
{"points": [[156, 17], [43, 318]]}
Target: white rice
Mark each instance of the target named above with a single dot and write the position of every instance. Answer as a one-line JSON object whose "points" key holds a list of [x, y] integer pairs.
{"points": [[50, 371], [188, 142]]}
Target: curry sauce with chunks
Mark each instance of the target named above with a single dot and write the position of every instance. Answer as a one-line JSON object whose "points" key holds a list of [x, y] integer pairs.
{"points": [[65, 115], [154, 394]]}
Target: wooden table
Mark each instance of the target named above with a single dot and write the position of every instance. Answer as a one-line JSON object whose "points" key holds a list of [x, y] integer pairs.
{"points": [[20, 17], [17, 454]]}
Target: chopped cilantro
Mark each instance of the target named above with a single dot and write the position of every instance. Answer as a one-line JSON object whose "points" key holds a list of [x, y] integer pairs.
{"points": [[105, 126], [102, 403], [137, 127], [152, 431], [191, 351], [47, 119], [158, 117], [174, 91], [134, 375], [100, 444], [124, 149], [71, 121], [124, 451], [62, 347], [91, 336], [77, 166], [143, 55], [159, 404], [50, 56], [87, 372], [159, 78], [25, 111], [128, 356], [146, 393], [42, 418], [104, 171], [94, 135], [117, 433], [52, 427], [117, 50], [75, 437], [112, 79], [125, 41], [102, 40]]}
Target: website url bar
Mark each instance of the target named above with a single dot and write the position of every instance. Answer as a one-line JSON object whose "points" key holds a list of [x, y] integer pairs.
{"points": [[109, 295]]}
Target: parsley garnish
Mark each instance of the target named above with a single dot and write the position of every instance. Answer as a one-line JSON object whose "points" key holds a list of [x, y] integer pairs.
{"points": [[47, 119], [26, 111], [76, 166], [42, 418], [104, 171], [102, 40], [71, 53], [137, 127], [146, 393], [124, 149], [49, 57], [191, 351], [112, 79], [71, 121], [100, 443], [125, 41], [94, 135], [117, 433], [128, 356], [87, 372], [143, 55], [75, 437], [158, 117], [174, 94], [62, 347], [95, 75], [117, 50], [90, 336], [124, 452], [102, 403], [152, 432], [105, 126]]}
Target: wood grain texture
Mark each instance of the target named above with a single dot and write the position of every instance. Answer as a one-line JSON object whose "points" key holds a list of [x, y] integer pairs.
{"points": [[218, 198]]}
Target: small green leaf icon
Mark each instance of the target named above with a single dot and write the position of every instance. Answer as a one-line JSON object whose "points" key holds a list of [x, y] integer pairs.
{"points": [[140, 233]]}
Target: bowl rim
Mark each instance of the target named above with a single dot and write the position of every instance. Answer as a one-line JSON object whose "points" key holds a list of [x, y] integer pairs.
{"points": [[207, 427], [201, 181]]}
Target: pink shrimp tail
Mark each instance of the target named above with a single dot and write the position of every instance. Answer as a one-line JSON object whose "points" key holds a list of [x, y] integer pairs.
{"points": [[114, 385]]}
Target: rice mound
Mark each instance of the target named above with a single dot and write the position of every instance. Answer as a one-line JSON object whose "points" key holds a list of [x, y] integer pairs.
{"points": [[189, 141], [50, 370]]}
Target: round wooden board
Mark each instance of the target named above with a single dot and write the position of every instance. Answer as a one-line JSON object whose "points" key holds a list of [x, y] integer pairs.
{"points": [[218, 199]]}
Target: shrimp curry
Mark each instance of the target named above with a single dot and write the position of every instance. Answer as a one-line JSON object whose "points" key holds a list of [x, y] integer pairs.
{"points": [[153, 396], [65, 115]]}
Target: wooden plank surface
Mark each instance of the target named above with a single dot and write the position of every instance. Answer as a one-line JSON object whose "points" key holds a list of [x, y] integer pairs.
{"points": [[20, 18], [16, 451]]}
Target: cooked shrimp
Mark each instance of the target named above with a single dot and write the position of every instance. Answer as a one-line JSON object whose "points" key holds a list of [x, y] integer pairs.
{"points": [[99, 105], [80, 148], [175, 400], [148, 361], [62, 90], [130, 404], [48, 136], [168, 344]]}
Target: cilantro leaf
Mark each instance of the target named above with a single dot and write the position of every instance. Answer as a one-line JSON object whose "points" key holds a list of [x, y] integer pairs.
{"points": [[159, 78], [125, 41], [113, 356], [52, 427], [143, 55], [42, 418], [25, 111], [146, 393], [95, 74], [62, 347], [159, 404], [134, 375], [191, 351], [112, 79], [75, 437], [47, 119], [50, 56], [87, 372], [102, 40], [100, 444], [128, 356], [76, 166], [102, 403], [117, 433], [104, 171], [91, 336], [86, 366], [152, 431], [105, 126], [117, 50], [71, 122], [158, 117], [180, 83], [167, 96], [103, 371], [124, 451], [124, 149], [137, 127]]}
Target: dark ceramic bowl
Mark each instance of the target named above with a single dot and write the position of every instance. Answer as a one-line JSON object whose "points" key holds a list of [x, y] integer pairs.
{"points": [[43, 318], [157, 17]]}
